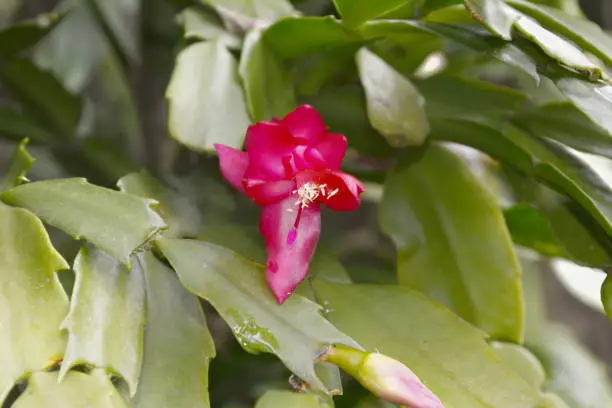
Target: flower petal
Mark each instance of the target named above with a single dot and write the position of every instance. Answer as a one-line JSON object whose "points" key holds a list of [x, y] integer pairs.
{"points": [[268, 192], [332, 149], [342, 190], [233, 164], [290, 243], [267, 145], [305, 123]]}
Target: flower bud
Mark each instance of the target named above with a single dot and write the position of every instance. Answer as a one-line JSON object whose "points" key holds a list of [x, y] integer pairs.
{"points": [[383, 376]]}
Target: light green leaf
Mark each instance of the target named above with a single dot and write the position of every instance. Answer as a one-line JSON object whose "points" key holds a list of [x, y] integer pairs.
{"points": [[594, 100], [206, 103], [77, 390], [523, 361], [268, 85], [117, 223], [494, 14], [356, 12], [20, 163], [267, 10], [293, 37], [177, 343], [181, 215], [450, 356], [22, 35], [287, 399], [237, 290], [549, 400], [606, 296], [28, 263], [567, 124], [395, 107], [42, 95], [107, 316], [583, 32], [200, 24], [16, 126], [429, 209]]}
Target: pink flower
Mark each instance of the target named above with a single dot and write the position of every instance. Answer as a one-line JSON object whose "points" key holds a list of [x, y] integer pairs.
{"points": [[291, 167]]}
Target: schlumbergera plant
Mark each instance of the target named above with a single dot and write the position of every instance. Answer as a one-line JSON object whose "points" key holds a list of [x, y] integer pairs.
{"points": [[370, 196]]}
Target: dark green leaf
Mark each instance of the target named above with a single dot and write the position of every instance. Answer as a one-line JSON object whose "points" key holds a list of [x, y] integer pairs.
{"points": [[268, 85], [395, 107], [14, 125], [117, 223], [287, 399], [177, 344], [429, 215], [42, 95], [606, 296], [450, 356], [107, 315], [237, 290], [28, 265], [25, 34], [357, 12], [181, 215], [75, 391], [18, 167], [206, 103]]}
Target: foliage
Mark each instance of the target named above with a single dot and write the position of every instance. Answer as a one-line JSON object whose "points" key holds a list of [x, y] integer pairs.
{"points": [[472, 124]]}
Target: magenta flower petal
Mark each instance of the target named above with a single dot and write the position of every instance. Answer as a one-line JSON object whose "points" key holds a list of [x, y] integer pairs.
{"points": [[291, 234], [341, 190], [268, 145], [332, 149], [268, 192], [233, 164], [305, 123]]}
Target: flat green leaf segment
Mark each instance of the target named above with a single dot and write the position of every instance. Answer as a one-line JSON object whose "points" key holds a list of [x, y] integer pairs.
{"points": [[205, 98], [295, 331], [449, 355], [177, 343], [181, 215], [428, 209], [20, 36], [115, 222], [395, 106], [76, 390], [20, 163], [357, 12], [201, 24], [606, 296], [286, 399], [107, 316], [28, 263], [267, 10]]}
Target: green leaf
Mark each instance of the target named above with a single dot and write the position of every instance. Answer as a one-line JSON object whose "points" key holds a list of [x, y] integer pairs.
{"points": [[179, 213], [107, 316], [523, 361], [594, 100], [25, 34], [177, 343], [267, 10], [450, 356], [531, 229], [494, 14], [28, 265], [268, 85], [429, 215], [583, 32], [201, 24], [565, 123], [206, 103], [75, 391], [293, 37], [606, 296], [20, 163], [286, 399], [395, 107], [549, 400], [42, 95], [237, 290], [356, 12], [16, 126], [117, 223]]}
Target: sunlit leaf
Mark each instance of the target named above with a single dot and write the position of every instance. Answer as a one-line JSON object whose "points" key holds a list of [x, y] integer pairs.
{"points": [[107, 316], [286, 399], [237, 290], [181, 215], [20, 36], [116, 222], [594, 100], [395, 106], [355, 13], [522, 361], [450, 356], [205, 99], [20, 163], [32, 301], [177, 344], [428, 209], [75, 391]]}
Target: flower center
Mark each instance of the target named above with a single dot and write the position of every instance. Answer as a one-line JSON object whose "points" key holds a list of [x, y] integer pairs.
{"points": [[309, 192]]}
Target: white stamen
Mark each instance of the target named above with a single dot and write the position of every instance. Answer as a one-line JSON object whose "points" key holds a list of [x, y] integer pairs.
{"points": [[309, 192]]}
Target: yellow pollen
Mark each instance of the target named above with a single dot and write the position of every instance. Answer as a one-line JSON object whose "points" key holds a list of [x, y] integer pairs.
{"points": [[309, 192]]}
